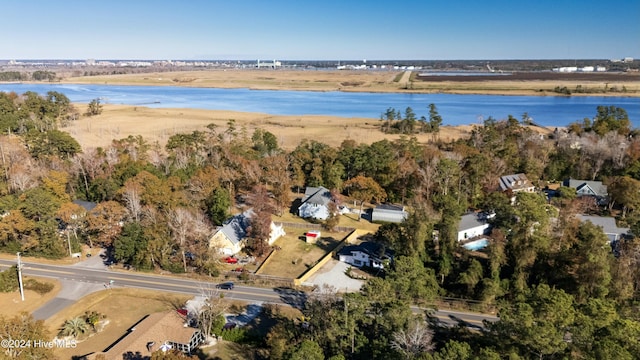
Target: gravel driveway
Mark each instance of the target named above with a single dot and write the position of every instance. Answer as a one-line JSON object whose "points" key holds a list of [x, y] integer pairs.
{"points": [[333, 274]]}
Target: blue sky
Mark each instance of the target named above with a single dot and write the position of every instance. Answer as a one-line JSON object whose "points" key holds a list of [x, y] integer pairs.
{"points": [[320, 30]]}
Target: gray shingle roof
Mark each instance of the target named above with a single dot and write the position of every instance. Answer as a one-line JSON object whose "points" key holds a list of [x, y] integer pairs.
{"points": [[470, 221], [236, 228], [317, 196], [87, 205], [598, 187], [608, 224]]}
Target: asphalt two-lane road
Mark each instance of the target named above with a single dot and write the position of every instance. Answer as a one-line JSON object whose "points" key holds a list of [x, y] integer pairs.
{"points": [[77, 276]]}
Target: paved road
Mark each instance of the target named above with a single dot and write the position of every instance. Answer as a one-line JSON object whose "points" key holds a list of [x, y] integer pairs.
{"points": [[98, 278]]}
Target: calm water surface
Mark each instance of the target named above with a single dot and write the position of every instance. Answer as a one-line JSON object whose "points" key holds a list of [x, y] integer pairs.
{"points": [[454, 109]]}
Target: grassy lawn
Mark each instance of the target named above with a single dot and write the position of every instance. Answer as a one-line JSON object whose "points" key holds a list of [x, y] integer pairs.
{"points": [[11, 303], [351, 220], [123, 308], [27, 259], [296, 255]]}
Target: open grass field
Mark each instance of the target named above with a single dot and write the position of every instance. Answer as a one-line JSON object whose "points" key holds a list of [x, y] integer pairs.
{"points": [[157, 125], [313, 80], [123, 308], [11, 303]]}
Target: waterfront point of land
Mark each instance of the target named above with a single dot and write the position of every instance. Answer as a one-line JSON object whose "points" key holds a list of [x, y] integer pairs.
{"points": [[159, 124]]}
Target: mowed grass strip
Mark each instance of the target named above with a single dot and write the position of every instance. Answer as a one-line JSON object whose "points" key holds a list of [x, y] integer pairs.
{"points": [[11, 303]]}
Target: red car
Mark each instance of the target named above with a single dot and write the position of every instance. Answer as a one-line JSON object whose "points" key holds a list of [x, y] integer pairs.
{"points": [[230, 260]]}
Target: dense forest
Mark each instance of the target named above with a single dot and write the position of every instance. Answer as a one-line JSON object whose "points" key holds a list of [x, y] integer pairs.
{"points": [[559, 290]]}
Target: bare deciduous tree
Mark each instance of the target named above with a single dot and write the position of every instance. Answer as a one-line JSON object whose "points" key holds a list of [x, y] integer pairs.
{"points": [[21, 178], [413, 341], [131, 197], [213, 307], [187, 228]]}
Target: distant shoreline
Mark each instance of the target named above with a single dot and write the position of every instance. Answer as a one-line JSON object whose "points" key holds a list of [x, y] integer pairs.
{"points": [[518, 84], [609, 84]]}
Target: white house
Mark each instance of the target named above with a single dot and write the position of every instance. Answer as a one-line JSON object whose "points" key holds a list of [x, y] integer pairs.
{"points": [[315, 203], [472, 225], [367, 254]]}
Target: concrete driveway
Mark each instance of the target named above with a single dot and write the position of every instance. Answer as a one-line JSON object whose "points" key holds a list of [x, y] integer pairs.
{"points": [[333, 274], [72, 289], [93, 262]]}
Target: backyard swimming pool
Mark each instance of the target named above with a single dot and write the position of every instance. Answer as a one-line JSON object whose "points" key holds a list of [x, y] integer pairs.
{"points": [[476, 245]]}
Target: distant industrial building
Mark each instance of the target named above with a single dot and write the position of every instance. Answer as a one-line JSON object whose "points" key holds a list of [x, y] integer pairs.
{"points": [[572, 69], [268, 64], [624, 60]]}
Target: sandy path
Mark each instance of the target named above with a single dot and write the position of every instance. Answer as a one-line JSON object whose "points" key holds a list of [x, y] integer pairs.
{"points": [[404, 80]]}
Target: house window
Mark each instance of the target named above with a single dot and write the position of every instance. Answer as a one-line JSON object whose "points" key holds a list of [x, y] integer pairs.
{"points": [[357, 262]]}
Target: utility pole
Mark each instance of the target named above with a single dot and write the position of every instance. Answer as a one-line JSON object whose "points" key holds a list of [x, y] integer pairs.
{"points": [[69, 242], [4, 163], [20, 277]]}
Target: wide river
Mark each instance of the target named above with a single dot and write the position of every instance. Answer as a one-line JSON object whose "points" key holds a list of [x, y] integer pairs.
{"points": [[454, 109]]}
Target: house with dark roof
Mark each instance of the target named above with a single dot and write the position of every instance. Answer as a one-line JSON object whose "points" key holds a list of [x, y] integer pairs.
{"points": [[158, 331], [608, 226], [367, 254], [229, 239], [315, 203], [595, 189], [515, 183], [389, 213]]}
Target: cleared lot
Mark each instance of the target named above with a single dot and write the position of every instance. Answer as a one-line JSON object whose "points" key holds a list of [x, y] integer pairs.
{"points": [[296, 256]]}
